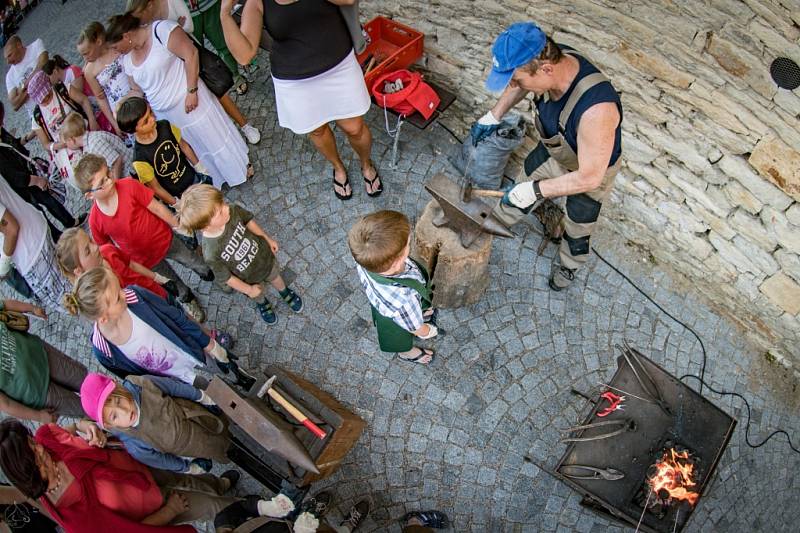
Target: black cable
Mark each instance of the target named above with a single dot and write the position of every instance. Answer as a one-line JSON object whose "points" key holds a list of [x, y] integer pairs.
{"points": [[701, 377], [686, 326], [747, 426]]}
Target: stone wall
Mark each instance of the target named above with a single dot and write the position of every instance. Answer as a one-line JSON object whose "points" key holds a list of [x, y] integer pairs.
{"points": [[711, 182]]}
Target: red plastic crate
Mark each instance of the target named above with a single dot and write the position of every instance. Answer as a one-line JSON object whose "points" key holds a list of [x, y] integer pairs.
{"points": [[394, 45]]}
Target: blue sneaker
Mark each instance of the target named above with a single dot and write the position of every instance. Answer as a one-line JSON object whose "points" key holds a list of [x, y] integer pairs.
{"points": [[294, 301], [267, 312]]}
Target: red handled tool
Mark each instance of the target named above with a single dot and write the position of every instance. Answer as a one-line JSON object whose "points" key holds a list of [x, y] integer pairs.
{"points": [[615, 403]]}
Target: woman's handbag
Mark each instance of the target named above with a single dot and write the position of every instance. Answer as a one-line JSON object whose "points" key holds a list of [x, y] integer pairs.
{"points": [[213, 70]]}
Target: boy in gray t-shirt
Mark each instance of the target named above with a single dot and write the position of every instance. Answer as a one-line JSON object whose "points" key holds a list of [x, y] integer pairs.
{"points": [[240, 253]]}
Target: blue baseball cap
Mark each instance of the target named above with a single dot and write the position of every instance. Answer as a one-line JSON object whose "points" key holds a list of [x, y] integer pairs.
{"points": [[517, 45]]}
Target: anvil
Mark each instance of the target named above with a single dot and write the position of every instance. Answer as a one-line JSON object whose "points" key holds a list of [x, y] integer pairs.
{"points": [[468, 219], [258, 420]]}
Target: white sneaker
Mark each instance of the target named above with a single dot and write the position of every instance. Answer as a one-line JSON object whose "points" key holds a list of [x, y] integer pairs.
{"points": [[251, 133]]}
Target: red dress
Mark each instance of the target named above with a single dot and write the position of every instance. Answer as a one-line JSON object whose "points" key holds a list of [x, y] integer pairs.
{"points": [[111, 493]]}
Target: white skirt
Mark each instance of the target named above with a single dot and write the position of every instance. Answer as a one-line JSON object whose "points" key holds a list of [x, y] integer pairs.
{"points": [[213, 137], [305, 105]]}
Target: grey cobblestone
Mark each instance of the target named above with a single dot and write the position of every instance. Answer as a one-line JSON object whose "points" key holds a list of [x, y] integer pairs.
{"points": [[456, 435]]}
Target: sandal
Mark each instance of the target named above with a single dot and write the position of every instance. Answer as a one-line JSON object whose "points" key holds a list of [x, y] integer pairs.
{"points": [[343, 186], [370, 183], [423, 352], [432, 519]]}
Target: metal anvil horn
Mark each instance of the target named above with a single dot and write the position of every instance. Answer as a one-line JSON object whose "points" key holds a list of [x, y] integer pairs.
{"points": [[468, 219]]}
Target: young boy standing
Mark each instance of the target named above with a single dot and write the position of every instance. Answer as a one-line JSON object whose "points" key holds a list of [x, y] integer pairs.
{"points": [[107, 145], [397, 287], [125, 212], [237, 249], [160, 156]]}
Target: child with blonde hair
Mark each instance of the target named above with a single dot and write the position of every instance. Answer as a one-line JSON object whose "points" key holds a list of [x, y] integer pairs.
{"points": [[136, 332], [162, 422], [74, 134], [76, 253], [238, 251], [126, 213]]}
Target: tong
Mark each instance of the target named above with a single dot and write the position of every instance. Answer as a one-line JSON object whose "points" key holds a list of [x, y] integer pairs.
{"points": [[623, 425], [650, 388], [609, 474]]}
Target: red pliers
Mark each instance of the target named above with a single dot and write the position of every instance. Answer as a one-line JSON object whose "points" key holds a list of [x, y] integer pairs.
{"points": [[614, 401]]}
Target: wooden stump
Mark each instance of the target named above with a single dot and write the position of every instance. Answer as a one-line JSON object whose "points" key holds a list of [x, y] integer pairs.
{"points": [[460, 275]]}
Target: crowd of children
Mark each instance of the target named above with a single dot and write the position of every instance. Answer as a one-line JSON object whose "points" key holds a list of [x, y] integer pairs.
{"points": [[153, 201]]}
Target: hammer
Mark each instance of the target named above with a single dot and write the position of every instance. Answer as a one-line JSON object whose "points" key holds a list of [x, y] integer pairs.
{"points": [[467, 191], [266, 388]]}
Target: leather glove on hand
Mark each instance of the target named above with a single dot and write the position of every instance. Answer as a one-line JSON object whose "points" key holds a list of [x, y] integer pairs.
{"points": [[483, 127], [522, 197]]}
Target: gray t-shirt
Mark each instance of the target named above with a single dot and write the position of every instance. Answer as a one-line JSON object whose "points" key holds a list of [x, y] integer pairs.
{"points": [[238, 251]]}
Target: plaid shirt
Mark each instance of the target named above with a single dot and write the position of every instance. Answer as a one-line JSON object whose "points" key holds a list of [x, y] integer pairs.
{"points": [[399, 303], [109, 147]]}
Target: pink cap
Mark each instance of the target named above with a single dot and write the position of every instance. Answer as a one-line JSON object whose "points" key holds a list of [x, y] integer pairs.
{"points": [[95, 390]]}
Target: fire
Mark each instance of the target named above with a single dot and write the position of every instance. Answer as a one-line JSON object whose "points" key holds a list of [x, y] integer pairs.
{"points": [[675, 475]]}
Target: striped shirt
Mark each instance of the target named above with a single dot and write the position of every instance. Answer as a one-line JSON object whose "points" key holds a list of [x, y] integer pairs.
{"points": [[395, 301]]}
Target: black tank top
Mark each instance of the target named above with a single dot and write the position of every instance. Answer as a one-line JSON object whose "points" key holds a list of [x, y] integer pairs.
{"points": [[309, 37], [602, 92]]}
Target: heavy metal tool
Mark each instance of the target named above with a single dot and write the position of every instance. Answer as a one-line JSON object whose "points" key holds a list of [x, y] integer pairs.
{"points": [[467, 191], [622, 426], [468, 219], [644, 378], [298, 415], [609, 474], [261, 423]]}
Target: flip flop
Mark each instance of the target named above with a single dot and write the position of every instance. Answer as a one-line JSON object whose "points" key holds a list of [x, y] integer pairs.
{"points": [[423, 353], [342, 186], [379, 190]]}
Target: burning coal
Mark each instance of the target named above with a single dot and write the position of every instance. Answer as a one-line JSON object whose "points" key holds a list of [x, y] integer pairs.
{"points": [[672, 477]]}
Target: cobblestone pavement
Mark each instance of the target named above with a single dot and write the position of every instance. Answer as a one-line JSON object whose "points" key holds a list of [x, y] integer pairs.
{"points": [[456, 436]]}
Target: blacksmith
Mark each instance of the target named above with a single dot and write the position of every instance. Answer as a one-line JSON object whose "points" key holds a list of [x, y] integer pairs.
{"points": [[578, 117]]}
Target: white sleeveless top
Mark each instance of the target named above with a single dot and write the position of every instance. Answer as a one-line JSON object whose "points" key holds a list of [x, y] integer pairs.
{"points": [[161, 75]]}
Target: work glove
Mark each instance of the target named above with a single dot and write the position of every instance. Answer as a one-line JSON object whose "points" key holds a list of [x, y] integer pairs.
{"points": [[199, 466], [522, 197], [484, 127]]}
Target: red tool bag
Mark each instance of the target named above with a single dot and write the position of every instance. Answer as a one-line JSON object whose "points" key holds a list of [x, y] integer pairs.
{"points": [[416, 95]]}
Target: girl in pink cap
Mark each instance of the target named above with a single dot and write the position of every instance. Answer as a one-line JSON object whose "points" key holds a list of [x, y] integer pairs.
{"points": [[162, 422]]}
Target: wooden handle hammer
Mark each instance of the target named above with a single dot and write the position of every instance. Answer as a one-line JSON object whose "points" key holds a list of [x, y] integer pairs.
{"points": [[291, 409], [467, 191]]}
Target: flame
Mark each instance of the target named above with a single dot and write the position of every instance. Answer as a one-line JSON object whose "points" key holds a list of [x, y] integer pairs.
{"points": [[675, 474]]}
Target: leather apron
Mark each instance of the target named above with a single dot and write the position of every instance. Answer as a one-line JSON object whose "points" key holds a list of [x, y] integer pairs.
{"points": [[557, 146]]}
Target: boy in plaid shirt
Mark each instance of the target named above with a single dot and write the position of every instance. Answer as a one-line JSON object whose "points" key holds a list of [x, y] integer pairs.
{"points": [[397, 287]]}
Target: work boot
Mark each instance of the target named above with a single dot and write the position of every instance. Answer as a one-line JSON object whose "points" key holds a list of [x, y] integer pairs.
{"points": [[357, 515], [560, 277]]}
